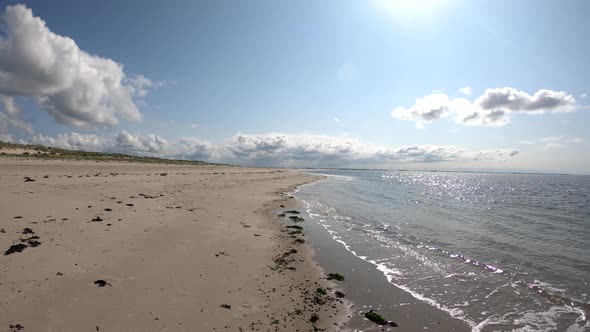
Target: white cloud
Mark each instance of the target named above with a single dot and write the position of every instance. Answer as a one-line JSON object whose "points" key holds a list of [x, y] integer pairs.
{"points": [[426, 109], [336, 120], [583, 95], [127, 142], [194, 148], [10, 116], [5, 137], [493, 108], [576, 140], [467, 91], [76, 88], [273, 149], [550, 139], [124, 142], [553, 142], [72, 141], [553, 146]]}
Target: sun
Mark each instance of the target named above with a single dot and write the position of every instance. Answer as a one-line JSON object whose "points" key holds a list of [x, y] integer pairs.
{"points": [[411, 7]]}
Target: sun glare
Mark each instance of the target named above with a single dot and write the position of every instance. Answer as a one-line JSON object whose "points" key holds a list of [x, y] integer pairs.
{"points": [[411, 7]]}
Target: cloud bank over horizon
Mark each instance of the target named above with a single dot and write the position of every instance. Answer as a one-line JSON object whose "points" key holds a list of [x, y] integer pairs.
{"points": [[272, 149], [493, 109]]}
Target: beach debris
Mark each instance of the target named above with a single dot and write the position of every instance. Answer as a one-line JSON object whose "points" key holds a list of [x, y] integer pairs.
{"points": [[33, 243], [101, 283], [319, 296], [296, 219], [282, 215], [295, 227], [28, 179], [15, 248], [378, 319], [108, 209], [335, 276], [46, 176], [27, 230], [18, 217], [129, 204], [282, 206], [300, 241], [163, 174], [225, 306], [314, 318], [295, 230], [59, 274], [244, 224], [339, 294], [254, 234], [290, 252], [15, 327], [34, 237], [292, 212], [221, 253], [2, 230], [96, 219]]}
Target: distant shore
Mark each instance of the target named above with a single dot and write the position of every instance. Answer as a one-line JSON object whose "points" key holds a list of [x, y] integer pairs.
{"points": [[111, 246]]}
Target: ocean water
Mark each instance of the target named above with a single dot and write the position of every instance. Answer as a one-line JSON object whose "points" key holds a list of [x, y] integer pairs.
{"points": [[503, 252]]}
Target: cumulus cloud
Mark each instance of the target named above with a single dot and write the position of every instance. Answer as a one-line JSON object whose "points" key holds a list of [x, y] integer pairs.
{"points": [[124, 142], [426, 109], [10, 116], [194, 148], [75, 87], [493, 108], [273, 149], [72, 141], [127, 142]]}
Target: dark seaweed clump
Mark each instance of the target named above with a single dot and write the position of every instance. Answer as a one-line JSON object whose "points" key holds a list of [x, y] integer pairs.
{"points": [[378, 319], [335, 276]]}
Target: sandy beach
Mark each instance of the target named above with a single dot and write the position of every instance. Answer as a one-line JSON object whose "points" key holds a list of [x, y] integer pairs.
{"points": [[90, 246]]}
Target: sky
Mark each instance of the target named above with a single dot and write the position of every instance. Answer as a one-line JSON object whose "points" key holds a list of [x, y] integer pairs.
{"points": [[426, 84]]}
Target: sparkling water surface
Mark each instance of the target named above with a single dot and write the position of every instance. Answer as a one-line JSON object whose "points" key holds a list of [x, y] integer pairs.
{"points": [[499, 251]]}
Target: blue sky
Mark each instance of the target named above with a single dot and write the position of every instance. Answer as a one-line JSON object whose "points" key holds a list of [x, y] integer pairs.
{"points": [[309, 83]]}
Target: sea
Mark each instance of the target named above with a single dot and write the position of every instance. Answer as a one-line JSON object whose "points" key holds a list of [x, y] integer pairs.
{"points": [[499, 251]]}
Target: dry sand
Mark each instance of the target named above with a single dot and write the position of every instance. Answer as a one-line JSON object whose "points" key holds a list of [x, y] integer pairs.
{"points": [[172, 249]]}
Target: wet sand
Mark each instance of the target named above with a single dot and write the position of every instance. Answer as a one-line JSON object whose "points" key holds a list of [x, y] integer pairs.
{"points": [[89, 246]]}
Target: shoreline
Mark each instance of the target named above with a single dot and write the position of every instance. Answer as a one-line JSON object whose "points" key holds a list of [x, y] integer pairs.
{"points": [[146, 247], [368, 288]]}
